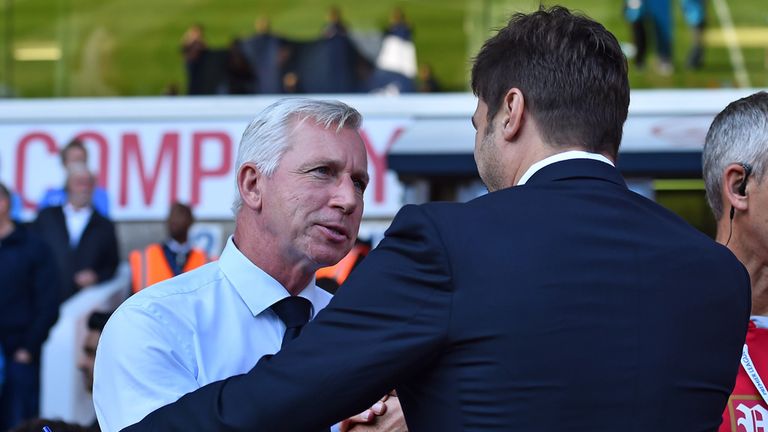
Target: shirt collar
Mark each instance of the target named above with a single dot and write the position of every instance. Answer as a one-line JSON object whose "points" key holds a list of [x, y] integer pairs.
{"points": [[70, 210], [760, 321], [177, 247], [571, 154], [258, 290]]}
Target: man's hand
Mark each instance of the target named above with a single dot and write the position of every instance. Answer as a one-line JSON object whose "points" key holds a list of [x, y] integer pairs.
{"points": [[22, 356], [86, 277], [390, 419], [367, 416]]}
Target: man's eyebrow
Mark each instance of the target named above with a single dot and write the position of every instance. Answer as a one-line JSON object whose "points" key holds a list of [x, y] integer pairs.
{"points": [[319, 162]]}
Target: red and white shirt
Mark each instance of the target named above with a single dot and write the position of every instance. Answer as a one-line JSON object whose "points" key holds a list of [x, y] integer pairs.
{"points": [[746, 410]]}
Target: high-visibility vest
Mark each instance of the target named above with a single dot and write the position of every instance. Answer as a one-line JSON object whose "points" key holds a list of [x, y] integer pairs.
{"points": [[150, 266], [343, 268]]}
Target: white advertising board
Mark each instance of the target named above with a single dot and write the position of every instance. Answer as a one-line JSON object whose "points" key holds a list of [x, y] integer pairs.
{"points": [[144, 165]]}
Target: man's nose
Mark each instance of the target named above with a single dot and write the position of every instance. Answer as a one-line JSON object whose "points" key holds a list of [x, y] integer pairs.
{"points": [[346, 197]]}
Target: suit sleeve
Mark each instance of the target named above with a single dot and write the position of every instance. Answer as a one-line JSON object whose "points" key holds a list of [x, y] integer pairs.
{"points": [[387, 323]]}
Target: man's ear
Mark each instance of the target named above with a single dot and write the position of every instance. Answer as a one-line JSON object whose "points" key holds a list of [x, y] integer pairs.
{"points": [[733, 178], [512, 109], [250, 181]]}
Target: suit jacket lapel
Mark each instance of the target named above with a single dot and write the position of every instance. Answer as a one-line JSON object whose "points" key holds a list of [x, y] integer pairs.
{"points": [[88, 228]]}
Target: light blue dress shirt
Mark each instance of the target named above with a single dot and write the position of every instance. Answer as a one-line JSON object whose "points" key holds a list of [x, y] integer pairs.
{"points": [[181, 334]]}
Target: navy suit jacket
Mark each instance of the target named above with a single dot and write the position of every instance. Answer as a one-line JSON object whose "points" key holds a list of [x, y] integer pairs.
{"points": [[567, 304]]}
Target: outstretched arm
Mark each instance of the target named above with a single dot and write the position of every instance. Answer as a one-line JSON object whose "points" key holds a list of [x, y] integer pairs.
{"points": [[387, 322]]}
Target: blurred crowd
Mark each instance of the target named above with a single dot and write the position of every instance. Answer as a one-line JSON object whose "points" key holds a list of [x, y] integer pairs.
{"points": [[335, 62], [70, 246]]}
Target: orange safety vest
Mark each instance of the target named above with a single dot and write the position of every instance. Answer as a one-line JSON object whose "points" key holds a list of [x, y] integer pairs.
{"points": [[150, 266], [343, 268]]}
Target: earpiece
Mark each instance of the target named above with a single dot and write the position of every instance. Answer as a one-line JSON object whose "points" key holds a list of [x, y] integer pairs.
{"points": [[743, 185]]}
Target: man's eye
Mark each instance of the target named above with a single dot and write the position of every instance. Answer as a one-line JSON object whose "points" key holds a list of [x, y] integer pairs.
{"points": [[323, 170], [360, 185]]}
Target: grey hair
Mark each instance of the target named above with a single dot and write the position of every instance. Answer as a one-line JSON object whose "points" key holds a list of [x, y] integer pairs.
{"points": [[739, 134], [265, 140], [78, 168]]}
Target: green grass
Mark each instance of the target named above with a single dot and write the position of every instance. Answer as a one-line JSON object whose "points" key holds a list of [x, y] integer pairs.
{"points": [[131, 47]]}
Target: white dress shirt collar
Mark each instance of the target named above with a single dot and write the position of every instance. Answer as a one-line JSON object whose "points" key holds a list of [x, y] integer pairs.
{"points": [[571, 154], [258, 290], [76, 221]]}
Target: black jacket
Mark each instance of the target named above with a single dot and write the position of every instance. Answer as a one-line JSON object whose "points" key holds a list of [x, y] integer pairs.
{"points": [[97, 249], [29, 291]]}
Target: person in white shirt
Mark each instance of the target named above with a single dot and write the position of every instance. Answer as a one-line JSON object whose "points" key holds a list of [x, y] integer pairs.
{"points": [[301, 174]]}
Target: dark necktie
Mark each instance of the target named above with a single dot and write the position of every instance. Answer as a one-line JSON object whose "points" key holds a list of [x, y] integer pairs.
{"points": [[294, 312]]}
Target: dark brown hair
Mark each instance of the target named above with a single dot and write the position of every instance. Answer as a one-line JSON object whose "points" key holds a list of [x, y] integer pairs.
{"points": [[75, 143], [570, 70]]}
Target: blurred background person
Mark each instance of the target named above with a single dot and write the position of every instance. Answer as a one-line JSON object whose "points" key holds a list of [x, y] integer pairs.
{"points": [[29, 305], [735, 159], [83, 242], [262, 51], [193, 48], [95, 325], [656, 14], [75, 152], [398, 53], [330, 278], [161, 261], [15, 205], [334, 23], [426, 82], [398, 26], [695, 16], [96, 322], [240, 78]]}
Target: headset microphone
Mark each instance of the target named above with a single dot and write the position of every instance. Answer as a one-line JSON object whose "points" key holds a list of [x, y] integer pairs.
{"points": [[743, 185], [741, 191]]}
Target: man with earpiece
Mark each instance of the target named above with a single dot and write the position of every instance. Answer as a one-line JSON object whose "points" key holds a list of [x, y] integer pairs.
{"points": [[734, 166]]}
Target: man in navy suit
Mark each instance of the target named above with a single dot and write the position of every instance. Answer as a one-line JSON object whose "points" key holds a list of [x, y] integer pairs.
{"points": [[560, 301]]}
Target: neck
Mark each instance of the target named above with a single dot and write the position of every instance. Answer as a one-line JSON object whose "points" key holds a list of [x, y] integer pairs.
{"points": [[293, 275], [754, 261]]}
